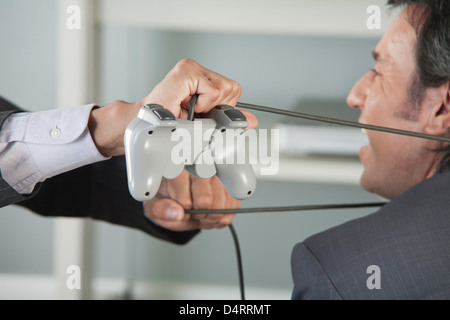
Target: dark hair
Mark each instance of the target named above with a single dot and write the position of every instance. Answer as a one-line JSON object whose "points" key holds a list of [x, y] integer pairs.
{"points": [[433, 48]]}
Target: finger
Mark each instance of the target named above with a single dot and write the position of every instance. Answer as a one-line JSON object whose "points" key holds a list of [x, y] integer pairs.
{"points": [[218, 198], [220, 202], [181, 82], [220, 194], [198, 80], [179, 189], [232, 203], [202, 195], [230, 90], [223, 91], [251, 119], [183, 113]]}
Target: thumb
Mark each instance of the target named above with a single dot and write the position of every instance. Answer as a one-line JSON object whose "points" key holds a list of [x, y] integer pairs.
{"points": [[164, 210]]}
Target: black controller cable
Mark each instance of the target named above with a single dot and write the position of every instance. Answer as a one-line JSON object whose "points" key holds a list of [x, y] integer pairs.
{"points": [[339, 121], [291, 208], [239, 260], [191, 113], [305, 207]]}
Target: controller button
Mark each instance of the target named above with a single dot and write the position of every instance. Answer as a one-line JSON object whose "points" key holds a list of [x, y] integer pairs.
{"points": [[163, 114], [153, 106], [235, 115], [223, 107]]}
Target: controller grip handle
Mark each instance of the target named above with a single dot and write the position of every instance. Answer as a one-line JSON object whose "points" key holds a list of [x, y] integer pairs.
{"points": [[145, 165], [239, 180]]}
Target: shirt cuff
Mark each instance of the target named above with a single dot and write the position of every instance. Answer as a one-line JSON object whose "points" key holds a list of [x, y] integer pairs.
{"points": [[40, 145]]}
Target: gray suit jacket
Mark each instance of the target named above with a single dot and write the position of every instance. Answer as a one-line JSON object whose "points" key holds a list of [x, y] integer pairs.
{"points": [[98, 191], [404, 248]]}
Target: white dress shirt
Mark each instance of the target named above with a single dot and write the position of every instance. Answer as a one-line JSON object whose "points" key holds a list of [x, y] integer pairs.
{"points": [[35, 146]]}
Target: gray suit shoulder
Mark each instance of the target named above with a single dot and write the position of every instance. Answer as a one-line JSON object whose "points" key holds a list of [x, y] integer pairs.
{"points": [[311, 282], [403, 246]]}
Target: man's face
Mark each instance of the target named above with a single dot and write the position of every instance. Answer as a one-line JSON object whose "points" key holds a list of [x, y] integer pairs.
{"points": [[392, 163]]}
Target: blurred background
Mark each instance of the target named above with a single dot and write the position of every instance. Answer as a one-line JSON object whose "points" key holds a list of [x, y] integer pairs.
{"points": [[133, 48]]}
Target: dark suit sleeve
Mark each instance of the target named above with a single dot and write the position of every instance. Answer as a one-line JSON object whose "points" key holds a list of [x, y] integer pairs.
{"points": [[7, 194], [7, 106], [98, 191]]}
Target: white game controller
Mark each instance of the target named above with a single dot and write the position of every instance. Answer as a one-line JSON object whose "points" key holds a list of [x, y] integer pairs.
{"points": [[150, 140]]}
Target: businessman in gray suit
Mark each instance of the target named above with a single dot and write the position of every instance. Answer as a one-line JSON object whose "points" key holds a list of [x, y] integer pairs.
{"points": [[401, 251], [69, 162]]}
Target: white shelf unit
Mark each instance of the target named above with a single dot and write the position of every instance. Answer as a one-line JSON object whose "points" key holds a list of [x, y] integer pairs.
{"points": [[330, 170], [342, 18]]}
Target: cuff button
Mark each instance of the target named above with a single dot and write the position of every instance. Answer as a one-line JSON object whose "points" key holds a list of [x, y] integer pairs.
{"points": [[55, 133]]}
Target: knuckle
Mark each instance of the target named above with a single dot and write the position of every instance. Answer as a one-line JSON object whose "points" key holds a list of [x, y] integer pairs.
{"points": [[229, 87], [186, 204], [237, 89], [184, 64], [212, 99], [215, 94], [203, 202]]}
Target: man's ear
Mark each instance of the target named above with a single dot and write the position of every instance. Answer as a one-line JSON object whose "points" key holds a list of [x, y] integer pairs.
{"points": [[439, 117]]}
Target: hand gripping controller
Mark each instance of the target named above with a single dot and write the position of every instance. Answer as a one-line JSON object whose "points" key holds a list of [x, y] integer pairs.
{"points": [[157, 146]]}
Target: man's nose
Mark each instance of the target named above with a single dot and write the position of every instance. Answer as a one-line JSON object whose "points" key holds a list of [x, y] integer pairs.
{"points": [[358, 93]]}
